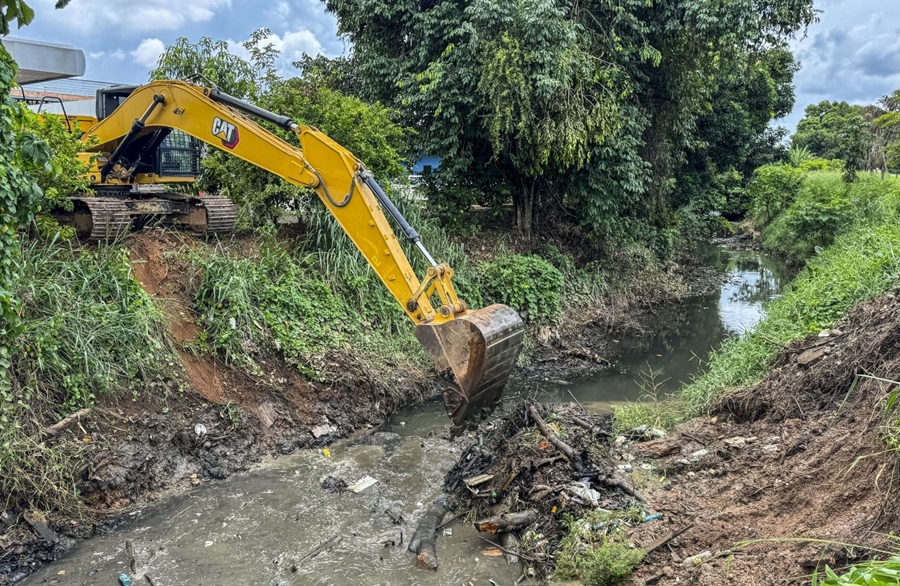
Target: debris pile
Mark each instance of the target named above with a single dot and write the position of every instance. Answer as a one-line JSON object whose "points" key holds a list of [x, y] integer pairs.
{"points": [[522, 475]]}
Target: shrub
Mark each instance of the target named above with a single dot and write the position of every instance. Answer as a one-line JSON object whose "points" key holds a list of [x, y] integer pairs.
{"points": [[595, 558], [528, 284], [772, 188]]}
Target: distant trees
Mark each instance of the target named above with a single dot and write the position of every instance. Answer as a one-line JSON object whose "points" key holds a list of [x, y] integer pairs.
{"points": [[863, 137]]}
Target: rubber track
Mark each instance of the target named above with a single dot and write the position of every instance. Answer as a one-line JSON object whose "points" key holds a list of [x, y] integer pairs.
{"points": [[109, 218], [221, 215]]}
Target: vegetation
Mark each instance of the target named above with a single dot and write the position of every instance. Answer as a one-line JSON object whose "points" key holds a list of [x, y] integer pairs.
{"points": [[528, 284], [596, 551], [870, 573], [603, 113], [859, 261], [88, 331]]}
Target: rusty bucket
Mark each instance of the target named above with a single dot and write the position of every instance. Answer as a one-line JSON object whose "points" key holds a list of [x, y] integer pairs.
{"points": [[478, 351]]}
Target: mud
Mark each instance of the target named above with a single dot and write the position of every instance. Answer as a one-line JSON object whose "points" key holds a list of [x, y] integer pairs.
{"points": [[801, 455]]}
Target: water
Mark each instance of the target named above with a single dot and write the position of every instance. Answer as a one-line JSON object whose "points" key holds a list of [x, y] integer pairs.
{"points": [[680, 337], [250, 529]]}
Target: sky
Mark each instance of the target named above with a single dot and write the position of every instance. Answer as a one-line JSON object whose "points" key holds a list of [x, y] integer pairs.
{"points": [[852, 53]]}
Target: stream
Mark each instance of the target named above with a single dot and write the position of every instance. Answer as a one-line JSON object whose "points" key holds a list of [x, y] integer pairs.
{"points": [[253, 529]]}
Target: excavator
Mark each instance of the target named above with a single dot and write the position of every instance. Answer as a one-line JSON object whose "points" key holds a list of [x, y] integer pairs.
{"points": [[145, 141]]}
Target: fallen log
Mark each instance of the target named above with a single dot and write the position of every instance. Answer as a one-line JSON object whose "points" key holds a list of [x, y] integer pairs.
{"points": [[507, 522], [423, 540], [510, 543], [567, 450]]}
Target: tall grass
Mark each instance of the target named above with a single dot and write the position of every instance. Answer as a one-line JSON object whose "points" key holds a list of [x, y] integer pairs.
{"points": [[862, 262], [89, 332]]}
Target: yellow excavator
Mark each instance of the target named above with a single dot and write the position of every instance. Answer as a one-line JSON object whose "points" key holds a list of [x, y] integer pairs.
{"points": [[144, 140]]}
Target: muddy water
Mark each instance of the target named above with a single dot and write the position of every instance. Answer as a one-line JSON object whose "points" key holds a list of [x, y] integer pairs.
{"points": [[251, 529], [679, 338]]}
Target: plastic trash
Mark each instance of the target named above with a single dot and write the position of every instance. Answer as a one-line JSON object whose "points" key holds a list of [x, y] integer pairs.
{"points": [[125, 579], [653, 517], [696, 560], [362, 484]]}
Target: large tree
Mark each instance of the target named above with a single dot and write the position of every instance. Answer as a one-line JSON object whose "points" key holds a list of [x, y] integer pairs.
{"points": [[599, 99]]}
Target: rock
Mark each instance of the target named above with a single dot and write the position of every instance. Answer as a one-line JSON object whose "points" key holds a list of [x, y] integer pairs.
{"points": [[620, 441], [200, 429], [8, 518], [322, 430], [739, 442], [811, 356], [334, 485], [771, 448], [379, 438], [286, 446], [657, 433], [699, 454], [825, 333], [657, 448]]}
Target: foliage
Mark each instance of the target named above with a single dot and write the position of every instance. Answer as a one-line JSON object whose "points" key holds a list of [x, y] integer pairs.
{"points": [[63, 175], [861, 263], [19, 194], [594, 105], [528, 284], [870, 573], [89, 329], [800, 155], [772, 188], [596, 551], [249, 305], [212, 61], [823, 208]]}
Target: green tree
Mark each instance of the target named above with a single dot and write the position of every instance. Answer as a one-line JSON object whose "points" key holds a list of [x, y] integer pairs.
{"points": [[826, 127], [208, 61], [592, 104]]}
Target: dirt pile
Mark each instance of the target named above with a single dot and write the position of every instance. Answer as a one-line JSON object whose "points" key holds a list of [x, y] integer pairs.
{"points": [[806, 453], [511, 466]]}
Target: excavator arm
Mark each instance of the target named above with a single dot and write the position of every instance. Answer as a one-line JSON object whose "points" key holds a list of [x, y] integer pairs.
{"points": [[477, 349]]}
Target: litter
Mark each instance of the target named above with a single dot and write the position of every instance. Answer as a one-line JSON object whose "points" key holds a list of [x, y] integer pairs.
{"points": [[362, 484]]}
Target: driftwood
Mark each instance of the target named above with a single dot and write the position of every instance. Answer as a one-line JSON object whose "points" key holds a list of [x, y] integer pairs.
{"points": [[564, 448], [622, 484], [510, 543], [507, 522], [60, 426], [591, 428], [422, 543], [324, 546]]}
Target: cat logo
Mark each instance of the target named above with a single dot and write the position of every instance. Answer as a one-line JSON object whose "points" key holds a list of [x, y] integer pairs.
{"points": [[226, 131]]}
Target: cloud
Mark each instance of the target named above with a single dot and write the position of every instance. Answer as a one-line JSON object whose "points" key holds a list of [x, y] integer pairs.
{"points": [[852, 54], [131, 15], [148, 52], [117, 54]]}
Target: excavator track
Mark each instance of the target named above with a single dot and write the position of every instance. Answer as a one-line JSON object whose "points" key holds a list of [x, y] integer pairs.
{"points": [[221, 215], [101, 218]]}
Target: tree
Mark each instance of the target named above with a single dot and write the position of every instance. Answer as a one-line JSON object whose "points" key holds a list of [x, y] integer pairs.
{"points": [[209, 61], [826, 126], [599, 99]]}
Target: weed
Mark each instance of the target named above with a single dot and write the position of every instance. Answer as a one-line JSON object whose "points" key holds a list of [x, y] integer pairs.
{"points": [[596, 550], [528, 284]]}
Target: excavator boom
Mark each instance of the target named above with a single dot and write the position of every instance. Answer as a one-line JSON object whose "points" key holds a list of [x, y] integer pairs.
{"points": [[477, 349]]}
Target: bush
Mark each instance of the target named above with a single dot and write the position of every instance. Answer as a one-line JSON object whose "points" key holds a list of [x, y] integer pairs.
{"points": [[825, 208], [772, 188], [596, 559], [528, 284]]}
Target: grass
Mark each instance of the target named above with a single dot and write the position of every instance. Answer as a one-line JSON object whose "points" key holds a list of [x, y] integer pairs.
{"points": [[90, 332]]}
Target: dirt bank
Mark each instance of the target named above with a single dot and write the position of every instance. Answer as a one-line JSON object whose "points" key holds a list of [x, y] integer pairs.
{"points": [[803, 454], [220, 421], [806, 454]]}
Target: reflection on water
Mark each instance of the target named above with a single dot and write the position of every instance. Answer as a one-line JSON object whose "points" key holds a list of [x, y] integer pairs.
{"points": [[679, 338]]}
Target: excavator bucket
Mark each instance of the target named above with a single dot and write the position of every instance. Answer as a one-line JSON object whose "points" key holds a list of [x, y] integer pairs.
{"points": [[477, 351]]}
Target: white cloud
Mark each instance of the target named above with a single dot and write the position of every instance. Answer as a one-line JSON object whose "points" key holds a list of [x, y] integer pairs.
{"points": [[148, 52], [132, 15], [291, 46], [117, 54]]}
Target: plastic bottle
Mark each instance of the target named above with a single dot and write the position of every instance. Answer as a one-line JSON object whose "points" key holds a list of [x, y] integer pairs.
{"points": [[696, 560]]}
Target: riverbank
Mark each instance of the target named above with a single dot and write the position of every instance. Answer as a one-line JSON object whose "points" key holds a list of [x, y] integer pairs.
{"points": [[219, 403]]}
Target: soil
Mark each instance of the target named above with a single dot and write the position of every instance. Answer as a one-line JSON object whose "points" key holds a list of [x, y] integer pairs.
{"points": [[801, 455], [221, 421]]}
